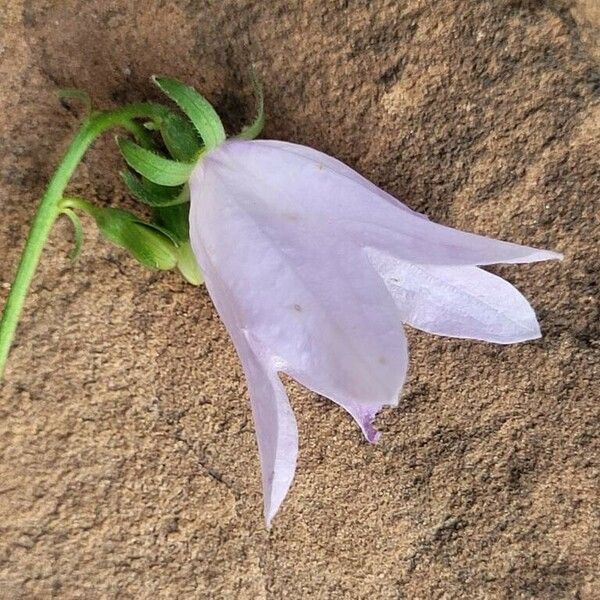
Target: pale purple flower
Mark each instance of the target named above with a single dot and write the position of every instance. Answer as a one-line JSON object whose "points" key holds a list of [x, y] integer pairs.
{"points": [[314, 270]]}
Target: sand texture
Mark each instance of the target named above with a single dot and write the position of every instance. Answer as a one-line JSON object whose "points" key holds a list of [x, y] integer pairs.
{"points": [[129, 467]]}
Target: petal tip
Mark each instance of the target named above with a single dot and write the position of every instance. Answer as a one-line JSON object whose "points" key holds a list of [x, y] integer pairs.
{"points": [[271, 506], [365, 421], [269, 512], [537, 255], [373, 436], [551, 255], [532, 332]]}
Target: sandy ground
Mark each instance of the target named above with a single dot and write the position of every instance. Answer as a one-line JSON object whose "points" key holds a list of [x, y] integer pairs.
{"points": [[129, 467]]}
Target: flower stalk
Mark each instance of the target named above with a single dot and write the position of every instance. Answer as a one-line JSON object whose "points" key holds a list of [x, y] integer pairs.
{"points": [[50, 205]]}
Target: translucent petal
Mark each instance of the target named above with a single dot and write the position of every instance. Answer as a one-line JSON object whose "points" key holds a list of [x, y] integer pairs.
{"points": [[311, 299], [364, 415], [337, 166], [276, 431], [465, 302], [274, 421], [303, 180]]}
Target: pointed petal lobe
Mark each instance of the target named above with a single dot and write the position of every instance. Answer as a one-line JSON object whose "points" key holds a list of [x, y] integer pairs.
{"points": [[465, 302], [276, 432], [307, 180], [274, 421], [364, 415]]}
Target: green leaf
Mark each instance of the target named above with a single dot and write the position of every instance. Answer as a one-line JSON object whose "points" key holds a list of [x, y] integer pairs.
{"points": [[197, 108], [180, 137], [253, 130], [77, 232], [110, 222], [153, 194], [154, 167]]}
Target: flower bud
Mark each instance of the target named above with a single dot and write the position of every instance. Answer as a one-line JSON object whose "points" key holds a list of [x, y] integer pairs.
{"points": [[145, 242]]}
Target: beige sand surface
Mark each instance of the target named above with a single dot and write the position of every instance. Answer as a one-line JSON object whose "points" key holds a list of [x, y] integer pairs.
{"points": [[128, 461]]}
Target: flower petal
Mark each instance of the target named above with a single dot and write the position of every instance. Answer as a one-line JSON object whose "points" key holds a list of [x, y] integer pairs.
{"points": [[274, 421], [276, 431], [465, 302], [304, 180], [337, 166], [364, 415], [310, 298]]}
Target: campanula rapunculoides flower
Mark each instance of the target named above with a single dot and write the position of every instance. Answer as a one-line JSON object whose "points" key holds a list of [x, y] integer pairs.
{"points": [[314, 270]]}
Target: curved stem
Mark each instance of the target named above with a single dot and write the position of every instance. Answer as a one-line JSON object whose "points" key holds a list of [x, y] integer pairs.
{"points": [[49, 208], [70, 202]]}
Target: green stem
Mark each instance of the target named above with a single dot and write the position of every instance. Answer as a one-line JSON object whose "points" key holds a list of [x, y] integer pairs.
{"points": [[49, 208], [76, 202]]}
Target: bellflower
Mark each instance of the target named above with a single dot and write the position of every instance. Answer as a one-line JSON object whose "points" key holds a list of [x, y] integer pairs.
{"points": [[313, 270]]}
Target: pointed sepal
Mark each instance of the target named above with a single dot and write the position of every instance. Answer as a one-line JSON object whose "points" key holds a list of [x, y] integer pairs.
{"points": [[180, 137], [197, 108], [253, 130], [188, 265], [153, 194], [175, 220], [157, 169]]}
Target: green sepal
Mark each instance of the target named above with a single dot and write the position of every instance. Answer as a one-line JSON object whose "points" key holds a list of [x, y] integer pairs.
{"points": [[187, 265], [148, 244], [157, 169], [253, 130], [175, 220], [141, 135], [77, 232], [180, 137], [153, 194], [197, 108]]}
